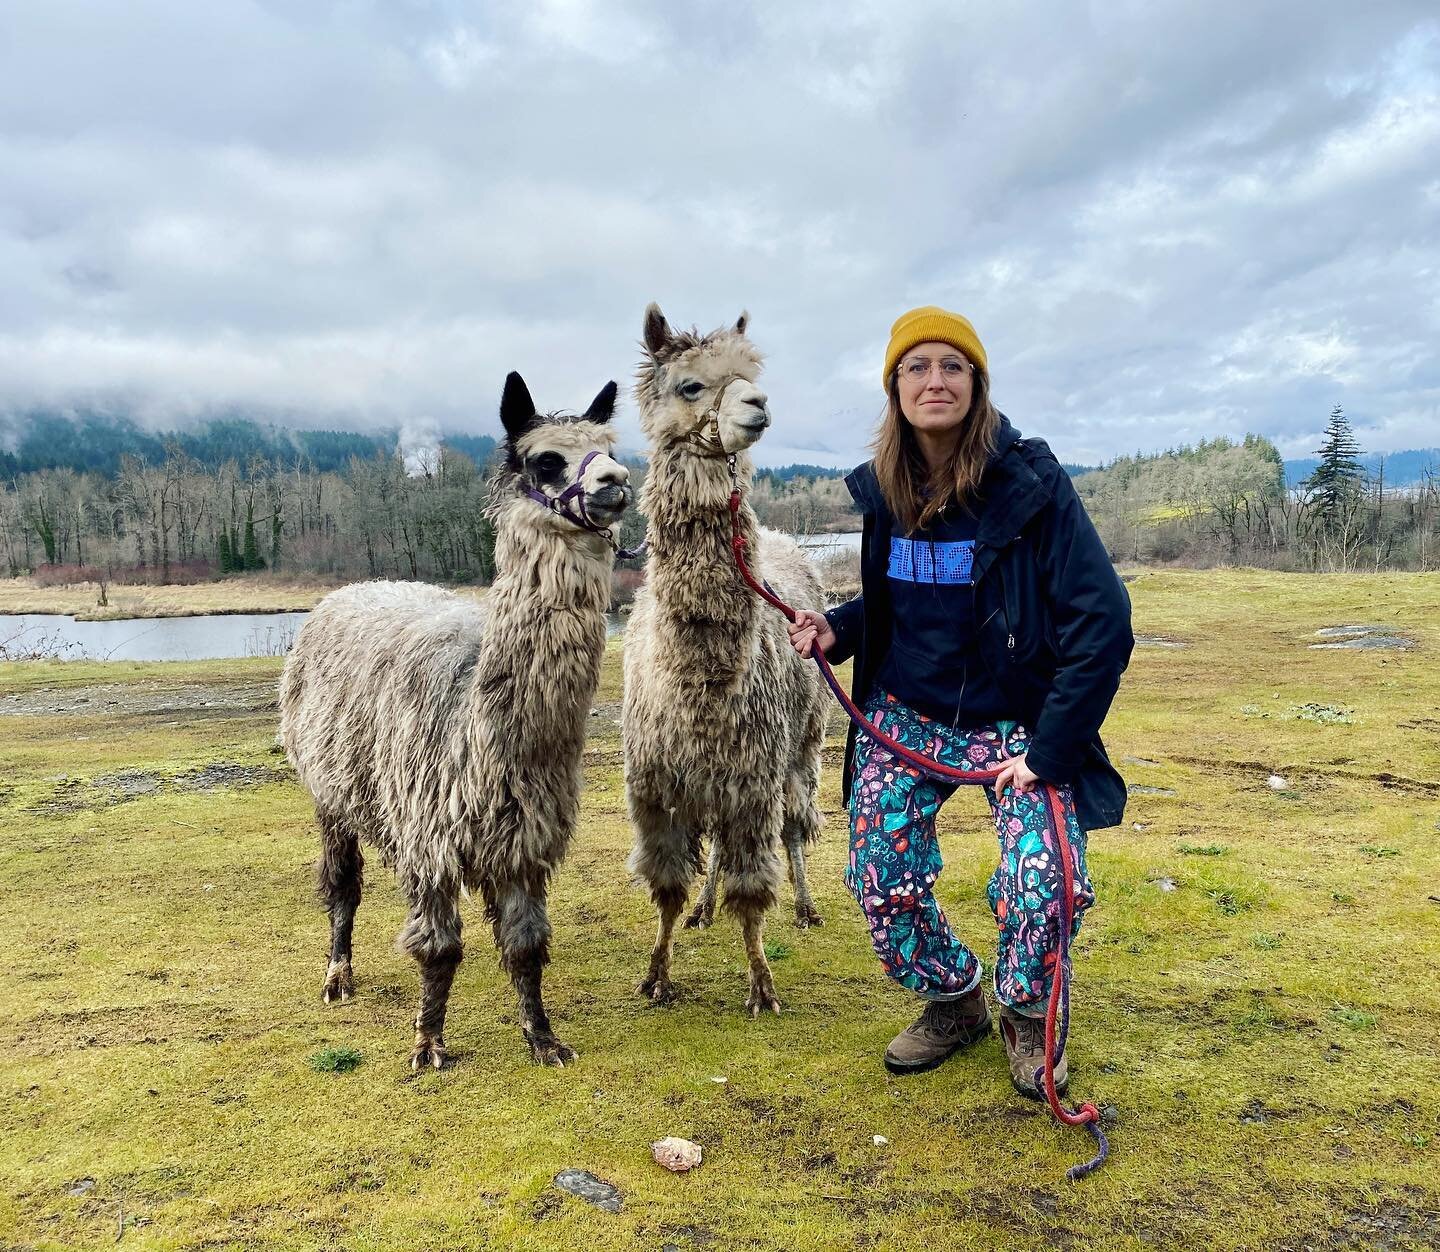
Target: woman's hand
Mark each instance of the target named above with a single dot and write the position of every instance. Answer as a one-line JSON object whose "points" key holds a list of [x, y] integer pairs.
{"points": [[1016, 774], [808, 629]]}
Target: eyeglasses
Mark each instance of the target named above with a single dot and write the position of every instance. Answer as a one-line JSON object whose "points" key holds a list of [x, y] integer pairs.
{"points": [[917, 368]]}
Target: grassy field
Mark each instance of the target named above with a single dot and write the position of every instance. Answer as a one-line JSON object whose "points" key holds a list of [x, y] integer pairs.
{"points": [[1256, 989], [253, 593]]}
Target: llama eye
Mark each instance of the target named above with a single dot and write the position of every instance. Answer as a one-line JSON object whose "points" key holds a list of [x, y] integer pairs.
{"points": [[690, 390], [548, 468]]}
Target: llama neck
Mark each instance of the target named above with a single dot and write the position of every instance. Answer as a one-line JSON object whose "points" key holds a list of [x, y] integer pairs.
{"points": [[545, 630], [701, 600]]}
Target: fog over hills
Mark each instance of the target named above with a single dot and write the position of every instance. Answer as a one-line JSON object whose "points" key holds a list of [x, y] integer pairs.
{"points": [[334, 216]]}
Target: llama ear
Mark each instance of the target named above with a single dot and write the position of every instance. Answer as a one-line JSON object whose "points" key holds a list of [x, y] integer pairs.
{"points": [[657, 330], [602, 407], [517, 409], [742, 321]]}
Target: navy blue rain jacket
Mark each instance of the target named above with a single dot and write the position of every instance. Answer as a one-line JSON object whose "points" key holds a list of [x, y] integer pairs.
{"points": [[1053, 616]]}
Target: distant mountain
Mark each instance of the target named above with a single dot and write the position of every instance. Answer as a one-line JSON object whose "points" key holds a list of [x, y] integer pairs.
{"points": [[96, 442], [784, 473], [1402, 469]]}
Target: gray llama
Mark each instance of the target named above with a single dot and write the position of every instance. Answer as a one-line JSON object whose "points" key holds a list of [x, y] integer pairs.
{"points": [[723, 723], [448, 735]]}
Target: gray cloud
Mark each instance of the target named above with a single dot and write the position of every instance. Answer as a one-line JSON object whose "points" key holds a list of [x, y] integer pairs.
{"points": [[1167, 221]]}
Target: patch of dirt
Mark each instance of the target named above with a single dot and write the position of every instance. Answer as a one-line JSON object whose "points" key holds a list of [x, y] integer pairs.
{"points": [[1309, 773], [140, 700], [1366, 637], [1411, 1221], [75, 795], [49, 1033], [228, 774], [1000, 1210], [604, 718]]}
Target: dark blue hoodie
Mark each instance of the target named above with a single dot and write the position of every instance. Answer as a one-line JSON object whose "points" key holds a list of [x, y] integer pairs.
{"points": [[1051, 617]]}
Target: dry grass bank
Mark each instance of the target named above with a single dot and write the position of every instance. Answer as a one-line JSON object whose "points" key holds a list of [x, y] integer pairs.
{"points": [[251, 593], [1255, 989]]}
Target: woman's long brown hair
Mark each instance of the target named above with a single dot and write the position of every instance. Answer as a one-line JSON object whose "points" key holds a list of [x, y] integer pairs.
{"points": [[915, 495]]}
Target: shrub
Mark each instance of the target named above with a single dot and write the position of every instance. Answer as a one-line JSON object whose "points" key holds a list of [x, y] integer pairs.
{"points": [[335, 1060]]}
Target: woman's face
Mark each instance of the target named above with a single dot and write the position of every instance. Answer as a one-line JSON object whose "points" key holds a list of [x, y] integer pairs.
{"points": [[935, 381]]}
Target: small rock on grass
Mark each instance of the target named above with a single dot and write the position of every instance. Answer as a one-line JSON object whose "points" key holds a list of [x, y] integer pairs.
{"points": [[879, 1140], [677, 1155], [582, 1183], [81, 1187], [1276, 783]]}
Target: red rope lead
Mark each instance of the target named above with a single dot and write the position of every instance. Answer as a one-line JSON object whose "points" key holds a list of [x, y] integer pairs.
{"points": [[1057, 1009]]}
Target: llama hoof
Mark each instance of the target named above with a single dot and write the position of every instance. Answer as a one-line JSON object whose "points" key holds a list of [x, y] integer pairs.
{"points": [[339, 983], [807, 915], [700, 917], [429, 1053], [658, 989], [548, 1050], [762, 996]]}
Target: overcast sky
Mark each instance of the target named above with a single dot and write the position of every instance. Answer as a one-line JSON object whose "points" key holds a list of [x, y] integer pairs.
{"points": [[1166, 220]]}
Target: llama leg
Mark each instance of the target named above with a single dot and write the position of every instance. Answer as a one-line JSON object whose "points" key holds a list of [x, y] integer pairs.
{"points": [[339, 873], [752, 874], [522, 933], [704, 911], [656, 984], [762, 983], [432, 937], [666, 858], [806, 914], [802, 815]]}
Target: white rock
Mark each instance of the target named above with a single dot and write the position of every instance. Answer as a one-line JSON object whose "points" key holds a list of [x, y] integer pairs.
{"points": [[879, 1140], [1276, 783], [676, 1155], [720, 1079]]}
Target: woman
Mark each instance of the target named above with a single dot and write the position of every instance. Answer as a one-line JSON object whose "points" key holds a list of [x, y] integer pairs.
{"points": [[991, 627]]}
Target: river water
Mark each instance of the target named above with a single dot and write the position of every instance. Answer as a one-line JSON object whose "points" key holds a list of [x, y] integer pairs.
{"points": [[217, 636], [152, 638]]}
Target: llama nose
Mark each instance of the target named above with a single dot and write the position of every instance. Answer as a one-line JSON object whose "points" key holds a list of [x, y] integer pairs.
{"points": [[613, 476], [759, 401]]}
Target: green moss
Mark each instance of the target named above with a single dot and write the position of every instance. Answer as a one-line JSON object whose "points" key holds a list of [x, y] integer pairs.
{"points": [[1263, 1029]]}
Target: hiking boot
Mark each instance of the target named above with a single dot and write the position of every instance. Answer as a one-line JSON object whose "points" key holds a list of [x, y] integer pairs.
{"points": [[944, 1027], [1025, 1051]]}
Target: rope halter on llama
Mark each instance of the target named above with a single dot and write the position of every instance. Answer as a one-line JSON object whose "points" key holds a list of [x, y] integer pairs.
{"points": [[1057, 1012], [574, 494], [707, 434]]}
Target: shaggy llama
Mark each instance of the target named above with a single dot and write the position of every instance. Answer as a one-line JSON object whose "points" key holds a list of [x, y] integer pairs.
{"points": [[448, 735], [723, 723]]}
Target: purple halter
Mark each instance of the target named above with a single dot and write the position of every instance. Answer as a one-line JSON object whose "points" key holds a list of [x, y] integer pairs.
{"points": [[576, 492]]}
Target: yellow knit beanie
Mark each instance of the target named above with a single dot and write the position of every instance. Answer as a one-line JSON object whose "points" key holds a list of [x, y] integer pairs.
{"points": [[927, 324]]}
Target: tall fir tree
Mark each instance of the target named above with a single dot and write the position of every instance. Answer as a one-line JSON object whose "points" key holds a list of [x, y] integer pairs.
{"points": [[253, 559], [1338, 478], [222, 552]]}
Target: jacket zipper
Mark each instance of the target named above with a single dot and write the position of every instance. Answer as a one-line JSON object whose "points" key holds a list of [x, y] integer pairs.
{"points": [[1005, 604]]}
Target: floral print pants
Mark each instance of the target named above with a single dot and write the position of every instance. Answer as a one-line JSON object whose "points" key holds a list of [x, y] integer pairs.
{"points": [[895, 861]]}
